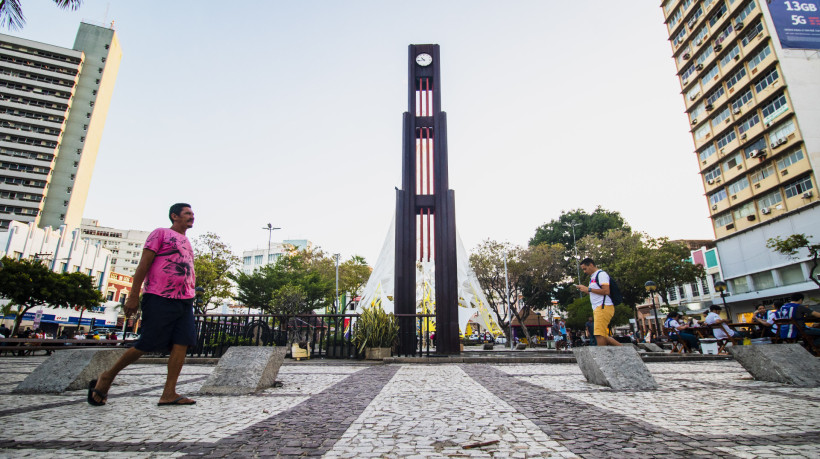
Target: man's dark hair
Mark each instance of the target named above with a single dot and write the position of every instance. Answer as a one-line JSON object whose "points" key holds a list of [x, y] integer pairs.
{"points": [[587, 261], [714, 307], [796, 296], [176, 209], [777, 304]]}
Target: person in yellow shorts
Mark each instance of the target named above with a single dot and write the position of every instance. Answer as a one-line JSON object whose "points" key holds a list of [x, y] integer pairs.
{"points": [[602, 307]]}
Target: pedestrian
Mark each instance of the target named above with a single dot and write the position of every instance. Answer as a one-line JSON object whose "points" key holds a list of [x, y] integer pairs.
{"points": [[167, 269], [590, 331], [5, 331], [602, 308]]}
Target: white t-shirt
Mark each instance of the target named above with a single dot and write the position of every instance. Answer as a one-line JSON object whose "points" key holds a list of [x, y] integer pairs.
{"points": [[719, 334], [594, 298]]}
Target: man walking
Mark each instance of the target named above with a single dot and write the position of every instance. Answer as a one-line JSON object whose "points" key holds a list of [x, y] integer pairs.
{"points": [[167, 267], [602, 307]]}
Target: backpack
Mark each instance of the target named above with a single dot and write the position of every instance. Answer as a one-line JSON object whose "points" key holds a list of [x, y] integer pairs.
{"points": [[614, 291]]}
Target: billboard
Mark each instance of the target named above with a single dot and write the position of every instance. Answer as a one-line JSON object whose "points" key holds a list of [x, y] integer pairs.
{"points": [[797, 23]]}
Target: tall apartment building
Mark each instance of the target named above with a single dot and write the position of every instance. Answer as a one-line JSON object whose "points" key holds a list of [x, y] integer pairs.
{"points": [[257, 258], [53, 105], [750, 76], [125, 245]]}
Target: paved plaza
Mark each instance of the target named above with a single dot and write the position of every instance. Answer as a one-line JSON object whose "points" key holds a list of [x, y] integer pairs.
{"points": [[338, 409]]}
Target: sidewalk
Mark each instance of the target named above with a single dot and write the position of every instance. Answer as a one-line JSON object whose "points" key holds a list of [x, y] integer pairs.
{"points": [[336, 410]]}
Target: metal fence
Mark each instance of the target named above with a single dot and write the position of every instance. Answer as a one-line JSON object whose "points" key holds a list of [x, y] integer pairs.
{"points": [[324, 335]]}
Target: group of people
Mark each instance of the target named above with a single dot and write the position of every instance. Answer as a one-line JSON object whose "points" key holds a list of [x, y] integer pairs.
{"points": [[763, 319]]}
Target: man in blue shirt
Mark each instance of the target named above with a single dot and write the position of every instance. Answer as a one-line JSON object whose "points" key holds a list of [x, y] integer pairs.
{"points": [[795, 310]]}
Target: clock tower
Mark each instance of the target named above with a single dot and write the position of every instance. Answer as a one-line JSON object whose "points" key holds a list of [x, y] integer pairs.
{"points": [[425, 206]]}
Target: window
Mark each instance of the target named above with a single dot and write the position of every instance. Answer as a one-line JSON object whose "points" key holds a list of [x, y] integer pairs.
{"points": [[710, 74], [724, 220], [695, 289], [758, 144], [742, 99], [712, 174], [744, 211], [257, 259], [790, 159], [724, 61], [744, 13], [793, 274], [714, 95], [675, 18], [748, 122], [693, 93], [720, 117], [763, 281], [693, 19], [738, 186], [781, 132], [672, 293], [246, 260], [696, 112], [704, 286], [687, 72], [766, 80], [758, 58], [678, 39], [718, 13], [702, 131], [741, 72], [761, 174], [774, 108], [707, 152], [752, 32], [770, 200], [718, 196], [797, 187], [705, 54], [732, 161], [723, 140]]}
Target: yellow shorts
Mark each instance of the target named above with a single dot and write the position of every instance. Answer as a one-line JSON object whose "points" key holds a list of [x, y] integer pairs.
{"points": [[602, 315]]}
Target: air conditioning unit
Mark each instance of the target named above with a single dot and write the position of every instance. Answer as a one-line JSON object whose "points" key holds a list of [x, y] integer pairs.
{"points": [[694, 121], [781, 141], [709, 107], [755, 153], [699, 42], [686, 56], [738, 25], [750, 217], [693, 96], [743, 136], [685, 82], [718, 47], [691, 23], [737, 57], [765, 211], [717, 180], [710, 181], [714, 206], [737, 111], [699, 67], [774, 145], [807, 195]]}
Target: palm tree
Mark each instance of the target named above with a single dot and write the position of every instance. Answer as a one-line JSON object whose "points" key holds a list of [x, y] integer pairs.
{"points": [[11, 12]]}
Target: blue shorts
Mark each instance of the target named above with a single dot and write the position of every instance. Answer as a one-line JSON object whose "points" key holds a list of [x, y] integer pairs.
{"points": [[166, 321]]}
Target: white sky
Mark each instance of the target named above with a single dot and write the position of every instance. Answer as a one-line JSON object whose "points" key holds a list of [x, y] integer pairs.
{"points": [[289, 112]]}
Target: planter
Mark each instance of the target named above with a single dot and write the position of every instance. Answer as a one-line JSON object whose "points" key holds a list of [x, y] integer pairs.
{"points": [[298, 353], [376, 353], [488, 347]]}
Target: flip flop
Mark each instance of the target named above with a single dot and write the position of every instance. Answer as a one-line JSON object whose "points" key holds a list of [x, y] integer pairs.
{"points": [[92, 389], [177, 402]]}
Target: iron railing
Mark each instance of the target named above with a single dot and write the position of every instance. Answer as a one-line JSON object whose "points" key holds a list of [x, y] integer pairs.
{"points": [[324, 335]]}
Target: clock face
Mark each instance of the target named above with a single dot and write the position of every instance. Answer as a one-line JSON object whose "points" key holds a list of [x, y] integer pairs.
{"points": [[424, 59]]}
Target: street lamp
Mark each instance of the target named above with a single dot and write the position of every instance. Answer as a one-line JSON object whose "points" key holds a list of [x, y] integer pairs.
{"points": [[507, 293], [270, 228], [651, 287], [721, 287], [336, 303], [573, 224]]}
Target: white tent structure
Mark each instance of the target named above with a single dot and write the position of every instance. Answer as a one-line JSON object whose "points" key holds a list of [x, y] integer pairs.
{"points": [[379, 288]]}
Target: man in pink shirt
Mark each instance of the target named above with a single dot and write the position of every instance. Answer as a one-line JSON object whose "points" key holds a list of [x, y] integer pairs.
{"points": [[167, 269]]}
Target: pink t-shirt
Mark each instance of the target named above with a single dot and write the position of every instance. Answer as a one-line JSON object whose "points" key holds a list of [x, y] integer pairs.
{"points": [[171, 275]]}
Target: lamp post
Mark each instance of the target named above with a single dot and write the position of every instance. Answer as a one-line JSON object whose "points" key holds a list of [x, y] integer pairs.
{"points": [[721, 287], [507, 293], [270, 229], [336, 303], [572, 225], [651, 287]]}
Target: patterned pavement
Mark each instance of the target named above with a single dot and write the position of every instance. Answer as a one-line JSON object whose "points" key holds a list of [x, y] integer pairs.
{"points": [[339, 409]]}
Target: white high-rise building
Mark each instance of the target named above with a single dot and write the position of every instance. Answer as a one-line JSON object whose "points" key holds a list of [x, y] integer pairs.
{"points": [[53, 106], [125, 245]]}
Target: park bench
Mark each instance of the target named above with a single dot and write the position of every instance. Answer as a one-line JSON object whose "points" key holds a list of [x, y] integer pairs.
{"points": [[806, 340], [722, 342], [27, 346]]}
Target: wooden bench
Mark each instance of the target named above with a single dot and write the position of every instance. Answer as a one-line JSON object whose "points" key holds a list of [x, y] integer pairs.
{"points": [[722, 342], [27, 346], [806, 340]]}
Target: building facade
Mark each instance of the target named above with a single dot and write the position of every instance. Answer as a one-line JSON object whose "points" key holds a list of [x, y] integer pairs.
{"points": [[53, 106], [257, 258], [753, 102], [125, 245], [118, 287]]}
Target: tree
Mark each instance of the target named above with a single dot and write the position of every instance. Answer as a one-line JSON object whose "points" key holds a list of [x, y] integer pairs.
{"points": [[353, 276], [27, 284], [487, 261], [669, 265], [213, 262], [543, 268], [623, 255], [11, 12], [794, 244], [559, 231], [581, 309]]}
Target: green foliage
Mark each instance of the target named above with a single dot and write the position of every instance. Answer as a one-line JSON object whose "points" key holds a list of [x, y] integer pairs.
{"points": [[792, 245], [213, 262], [581, 309], [353, 276], [29, 283], [11, 12], [559, 231], [668, 265], [226, 340], [375, 328]]}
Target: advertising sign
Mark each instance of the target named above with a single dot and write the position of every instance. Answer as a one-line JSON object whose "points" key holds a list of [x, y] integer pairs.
{"points": [[797, 23]]}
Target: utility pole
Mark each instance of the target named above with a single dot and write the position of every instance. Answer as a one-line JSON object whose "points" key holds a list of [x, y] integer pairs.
{"points": [[336, 306], [507, 294], [573, 224]]}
